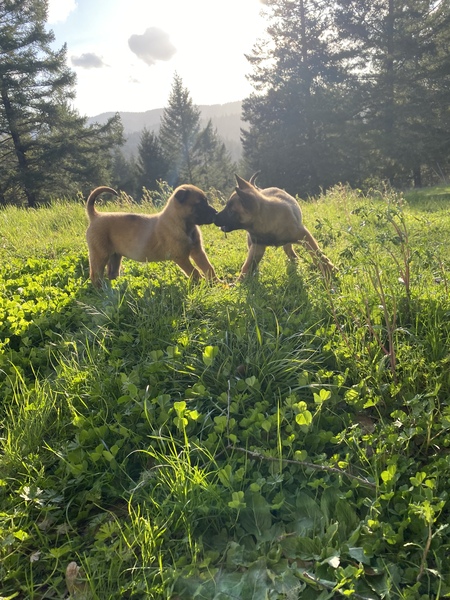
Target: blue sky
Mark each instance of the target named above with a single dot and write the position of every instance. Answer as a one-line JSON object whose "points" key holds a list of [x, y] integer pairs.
{"points": [[125, 52]]}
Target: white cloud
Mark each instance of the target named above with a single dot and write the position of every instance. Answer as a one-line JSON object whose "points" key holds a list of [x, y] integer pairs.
{"points": [[153, 45], [59, 10], [88, 60], [205, 44]]}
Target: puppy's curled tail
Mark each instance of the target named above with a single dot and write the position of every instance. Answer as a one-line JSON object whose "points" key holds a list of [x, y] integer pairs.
{"points": [[252, 179], [90, 208]]}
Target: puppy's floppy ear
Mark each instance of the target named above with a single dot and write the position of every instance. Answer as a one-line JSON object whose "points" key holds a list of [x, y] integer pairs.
{"points": [[181, 194]]}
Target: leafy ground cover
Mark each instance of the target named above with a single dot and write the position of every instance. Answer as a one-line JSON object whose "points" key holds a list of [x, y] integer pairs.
{"points": [[276, 439]]}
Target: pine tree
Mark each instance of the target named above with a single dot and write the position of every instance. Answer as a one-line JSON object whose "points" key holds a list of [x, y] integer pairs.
{"points": [[436, 67], [296, 113], [180, 126], [152, 163], [213, 164], [125, 174], [46, 148], [192, 154], [350, 90], [399, 53]]}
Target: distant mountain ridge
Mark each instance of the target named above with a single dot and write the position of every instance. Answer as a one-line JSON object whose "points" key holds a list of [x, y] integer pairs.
{"points": [[226, 118]]}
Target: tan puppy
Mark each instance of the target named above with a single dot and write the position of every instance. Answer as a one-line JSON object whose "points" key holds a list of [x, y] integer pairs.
{"points": [[172, 234], [272, 217]]}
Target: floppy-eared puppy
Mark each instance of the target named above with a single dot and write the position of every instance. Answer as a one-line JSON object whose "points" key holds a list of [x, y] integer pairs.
{"points": [[272, 217], [172, 234]]}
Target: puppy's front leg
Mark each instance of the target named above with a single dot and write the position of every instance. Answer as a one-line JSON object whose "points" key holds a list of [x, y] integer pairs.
{"points": [[198, 255], [185, 264], [254, 256]]}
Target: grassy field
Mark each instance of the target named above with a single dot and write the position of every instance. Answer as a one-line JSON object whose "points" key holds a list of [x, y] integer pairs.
{"points": [[276, 439]]}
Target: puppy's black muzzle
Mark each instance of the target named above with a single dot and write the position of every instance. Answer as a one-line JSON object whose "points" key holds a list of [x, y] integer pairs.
{"points": [[223, 221], [205, 215]]}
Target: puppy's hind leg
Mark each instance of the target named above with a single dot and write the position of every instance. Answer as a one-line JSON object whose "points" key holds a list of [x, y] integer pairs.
{"points": [[320, 259], [254, 256], [114, 264], [97, 264], [292, 259], [290, 252]]}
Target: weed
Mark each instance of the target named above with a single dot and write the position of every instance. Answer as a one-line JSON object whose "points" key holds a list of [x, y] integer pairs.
{"points": [[274, 439]]}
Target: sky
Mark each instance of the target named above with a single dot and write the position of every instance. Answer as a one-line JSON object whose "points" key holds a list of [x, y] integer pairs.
{"points": [[126, 53]]}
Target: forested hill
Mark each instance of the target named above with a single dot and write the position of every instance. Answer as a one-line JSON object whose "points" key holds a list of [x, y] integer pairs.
{"points": [[226, 118]]}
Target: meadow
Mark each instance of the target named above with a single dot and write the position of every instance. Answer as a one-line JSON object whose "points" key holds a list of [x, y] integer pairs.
{"points": [[277, 439]]}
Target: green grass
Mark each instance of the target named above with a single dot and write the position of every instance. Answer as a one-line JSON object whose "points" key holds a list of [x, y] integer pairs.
{"points": [[276, 439]]}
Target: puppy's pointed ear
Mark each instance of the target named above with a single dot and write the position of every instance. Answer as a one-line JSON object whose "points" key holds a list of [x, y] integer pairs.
{"points": [[181, 194], [243, 184], [247, 197]]}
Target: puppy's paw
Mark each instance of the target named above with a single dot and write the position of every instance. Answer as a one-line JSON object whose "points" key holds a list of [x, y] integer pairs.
{"points": [[76, 587]]}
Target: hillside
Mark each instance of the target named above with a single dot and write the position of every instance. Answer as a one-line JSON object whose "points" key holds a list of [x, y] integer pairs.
{"points": [[226, 118]]}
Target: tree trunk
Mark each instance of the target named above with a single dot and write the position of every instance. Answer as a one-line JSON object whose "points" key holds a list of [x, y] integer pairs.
{"points": [[19, 148], [417, 176], [389, 74], [311, 133]]}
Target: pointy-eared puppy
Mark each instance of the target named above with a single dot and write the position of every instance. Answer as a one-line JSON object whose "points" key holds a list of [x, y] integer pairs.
{"points": [[172, 234], [271, 217]]}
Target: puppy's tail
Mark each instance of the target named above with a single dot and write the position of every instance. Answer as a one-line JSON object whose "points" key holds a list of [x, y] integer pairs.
{"points": [[252, 179], [90, 208]]}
